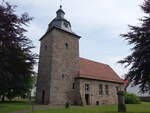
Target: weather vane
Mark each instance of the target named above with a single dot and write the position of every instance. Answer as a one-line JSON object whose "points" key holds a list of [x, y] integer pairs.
{"points": [[60, 4]]}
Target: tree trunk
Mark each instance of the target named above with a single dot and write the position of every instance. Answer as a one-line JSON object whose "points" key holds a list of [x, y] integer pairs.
{"points": [[3, 98]]}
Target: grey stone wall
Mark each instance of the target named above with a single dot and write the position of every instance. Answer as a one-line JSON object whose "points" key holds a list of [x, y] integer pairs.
{"points": [[44, 70], [58, 65], [95, 97], [65, 66]]}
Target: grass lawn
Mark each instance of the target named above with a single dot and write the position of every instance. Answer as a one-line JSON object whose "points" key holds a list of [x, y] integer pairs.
{"points": [[16, 105], [13, 106], [136, 108]]}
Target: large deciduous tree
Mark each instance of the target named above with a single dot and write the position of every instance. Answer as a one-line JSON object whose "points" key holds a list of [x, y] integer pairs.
{"points": [[139, 60], [16, 57]]}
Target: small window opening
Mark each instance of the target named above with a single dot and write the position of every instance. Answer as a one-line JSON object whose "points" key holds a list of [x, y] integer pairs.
{"points": [[45, 47], [73, 86], [106, 89], [100, 89], [65, 24], [66, 45], [117, 89], [63, 76], [87, 87]]}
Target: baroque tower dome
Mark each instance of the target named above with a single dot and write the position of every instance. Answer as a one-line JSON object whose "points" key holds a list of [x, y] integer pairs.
{"points": [[60, 22]]}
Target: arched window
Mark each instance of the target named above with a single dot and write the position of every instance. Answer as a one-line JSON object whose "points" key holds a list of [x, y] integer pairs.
{"points": [[100, 89], [45, 47], [66, 45], [106, 90]]}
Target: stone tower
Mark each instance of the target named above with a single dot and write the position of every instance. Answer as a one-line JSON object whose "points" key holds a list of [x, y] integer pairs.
{"points": [[58, 63]]}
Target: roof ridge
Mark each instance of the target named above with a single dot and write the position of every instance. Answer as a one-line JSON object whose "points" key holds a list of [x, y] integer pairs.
{"points": [[93, 61]]}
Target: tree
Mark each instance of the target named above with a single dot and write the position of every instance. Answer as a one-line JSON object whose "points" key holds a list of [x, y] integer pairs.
{"points": [[139, 61], [16, 57]]}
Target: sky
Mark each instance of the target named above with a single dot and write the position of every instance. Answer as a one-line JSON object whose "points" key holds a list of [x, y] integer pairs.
{"points": [[98, 22]]}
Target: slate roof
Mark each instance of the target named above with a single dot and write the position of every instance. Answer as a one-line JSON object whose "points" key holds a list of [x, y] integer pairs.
{"points": [[98, 71]]}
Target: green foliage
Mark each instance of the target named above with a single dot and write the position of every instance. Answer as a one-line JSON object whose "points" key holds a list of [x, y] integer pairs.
{"points": [[67, 105], [132, 99], [16, 57], [139, 60]]}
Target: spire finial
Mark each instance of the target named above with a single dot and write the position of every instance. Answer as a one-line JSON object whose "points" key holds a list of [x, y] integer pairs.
{"points": [[60, 4]]}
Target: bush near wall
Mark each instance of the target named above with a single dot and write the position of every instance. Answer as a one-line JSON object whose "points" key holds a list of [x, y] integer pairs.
{"points": [[132, 99], [145, 99]]}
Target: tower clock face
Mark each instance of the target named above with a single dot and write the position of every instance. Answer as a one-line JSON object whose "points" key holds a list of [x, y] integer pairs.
{"points": [[66, 24]]}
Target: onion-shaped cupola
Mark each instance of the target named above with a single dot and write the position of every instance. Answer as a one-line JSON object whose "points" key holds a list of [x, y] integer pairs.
{"points": [[60, 22]]}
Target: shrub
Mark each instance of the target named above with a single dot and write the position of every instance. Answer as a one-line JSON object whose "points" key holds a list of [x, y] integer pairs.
{"points": [[131, 99], [67, 105]]}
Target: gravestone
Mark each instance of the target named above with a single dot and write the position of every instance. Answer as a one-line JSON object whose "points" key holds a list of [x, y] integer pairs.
{"points": [[121, 101]]}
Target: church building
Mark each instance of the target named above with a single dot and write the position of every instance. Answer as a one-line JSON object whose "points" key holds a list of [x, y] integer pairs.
{"points": [[64, 77]]}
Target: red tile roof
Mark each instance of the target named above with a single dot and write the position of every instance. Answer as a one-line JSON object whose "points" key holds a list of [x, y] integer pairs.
{"points": [[98, 71], [126, 83]]}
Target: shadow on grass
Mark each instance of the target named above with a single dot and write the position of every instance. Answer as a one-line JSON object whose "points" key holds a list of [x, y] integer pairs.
{"points": [[15, 102], [3, 106]]}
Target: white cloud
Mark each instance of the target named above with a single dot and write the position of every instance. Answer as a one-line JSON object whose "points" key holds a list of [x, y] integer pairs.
{"points": [[88, 18], [97, 12]]}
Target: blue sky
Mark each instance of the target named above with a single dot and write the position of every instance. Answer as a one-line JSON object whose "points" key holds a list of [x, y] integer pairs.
{"points": [[98, 22]]}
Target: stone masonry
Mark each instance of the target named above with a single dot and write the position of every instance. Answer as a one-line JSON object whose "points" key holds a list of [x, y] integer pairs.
{"points": [[59, 68], [59, 62], [94, 96]]}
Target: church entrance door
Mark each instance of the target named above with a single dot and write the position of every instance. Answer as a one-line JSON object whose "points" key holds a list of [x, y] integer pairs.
{"points": [[87, 99], [43, 97]]}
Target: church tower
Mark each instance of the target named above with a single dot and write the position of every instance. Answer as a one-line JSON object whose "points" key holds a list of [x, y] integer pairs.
{"points": [[58, 63]]}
